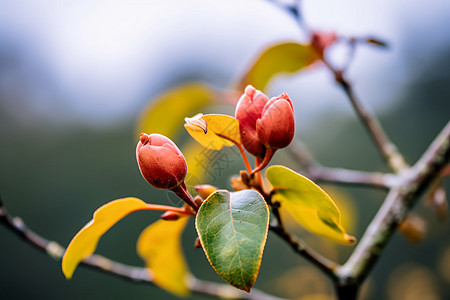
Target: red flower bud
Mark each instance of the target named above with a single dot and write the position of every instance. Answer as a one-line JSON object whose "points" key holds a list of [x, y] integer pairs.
{"points": [[276, 126], [265, 126], [160, 161], [248, 111]]}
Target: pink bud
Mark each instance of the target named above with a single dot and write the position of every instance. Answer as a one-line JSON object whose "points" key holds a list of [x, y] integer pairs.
{"points": [[276, 126], [160, 161], [265, 126], [248, 111]]}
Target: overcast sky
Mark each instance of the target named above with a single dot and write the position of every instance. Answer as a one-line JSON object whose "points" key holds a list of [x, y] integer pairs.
{"points": [[100, 61]]}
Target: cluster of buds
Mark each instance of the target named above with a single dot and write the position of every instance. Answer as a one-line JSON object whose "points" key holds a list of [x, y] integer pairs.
{"points": [[265, 125]]}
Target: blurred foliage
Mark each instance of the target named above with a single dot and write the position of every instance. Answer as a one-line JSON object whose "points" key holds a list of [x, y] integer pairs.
{"points": [[314, 283], [165, 114], [413, 282], [159, 246], [277, 59]]}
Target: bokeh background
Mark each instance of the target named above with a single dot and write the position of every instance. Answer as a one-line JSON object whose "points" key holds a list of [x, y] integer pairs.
{"points": [[75, 77]]}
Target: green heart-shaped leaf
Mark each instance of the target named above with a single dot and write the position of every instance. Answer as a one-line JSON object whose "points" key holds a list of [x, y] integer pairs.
{"points": [[233, 230], [307, 203]]}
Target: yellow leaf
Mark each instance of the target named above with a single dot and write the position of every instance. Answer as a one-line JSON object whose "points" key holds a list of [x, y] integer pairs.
{"points": [[287, 57], [349, 215], [159, 245], [85, 241], [308, 204], [165, 114], [198, 162], [214, 131]]}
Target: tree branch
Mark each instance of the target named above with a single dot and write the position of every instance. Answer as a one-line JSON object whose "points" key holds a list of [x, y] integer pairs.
{"points": [[394, 210], [327, 266], [316, 172], [132, 273], [353, 177], [388, 150]]}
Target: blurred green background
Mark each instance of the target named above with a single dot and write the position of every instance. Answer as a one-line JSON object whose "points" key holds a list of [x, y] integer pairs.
{"points": [[75, 77]]}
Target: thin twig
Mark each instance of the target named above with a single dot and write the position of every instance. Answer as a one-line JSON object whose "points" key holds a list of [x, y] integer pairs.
{"points": [[293, 8], [395, 208], [353, 177], [316, 172], [132, 273], [327, 266], [213, 289], [388, 150]]}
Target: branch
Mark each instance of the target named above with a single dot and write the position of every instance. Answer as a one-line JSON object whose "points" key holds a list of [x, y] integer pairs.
{"points": [[316, 172], [327, 266], [388, 150], [353, 177], [394, 210], [132, 273]]}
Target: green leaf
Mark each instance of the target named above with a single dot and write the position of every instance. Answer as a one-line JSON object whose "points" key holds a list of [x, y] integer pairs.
{"points": [[233, 230], [308, 203], [282, 58], [165, 114], [214, 131], [160, 246]]}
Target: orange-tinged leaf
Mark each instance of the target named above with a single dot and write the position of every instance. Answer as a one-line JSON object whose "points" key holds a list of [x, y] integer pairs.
{"points": [[307, 203], [287, 57], [85, 241], [159, 245], [214, 131], [165, 114]]}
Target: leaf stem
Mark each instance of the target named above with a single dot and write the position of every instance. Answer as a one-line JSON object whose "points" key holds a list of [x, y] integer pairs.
{"points": [[260, 181]]}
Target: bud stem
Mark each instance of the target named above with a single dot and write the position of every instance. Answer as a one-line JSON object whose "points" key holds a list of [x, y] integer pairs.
{"points": [[259, 177], [267, 157], [182, 192], [244, 156]]}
